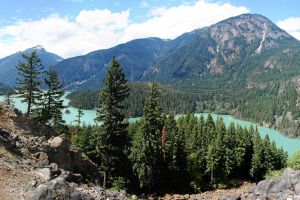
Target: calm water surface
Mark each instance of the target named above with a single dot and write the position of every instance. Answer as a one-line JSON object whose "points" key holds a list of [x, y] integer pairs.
{"points": [[289, 145]]}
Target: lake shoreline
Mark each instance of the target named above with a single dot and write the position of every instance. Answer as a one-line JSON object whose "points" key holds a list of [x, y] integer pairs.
{"points": [[89, 116]]}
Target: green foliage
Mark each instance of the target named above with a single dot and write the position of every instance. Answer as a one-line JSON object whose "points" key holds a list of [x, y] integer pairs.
{"points": [[119, 184], [274, 173], [50, 105], [190, 155], [8, 97], [294, 161], [113, 136], [147, 152], [170, 99], [29, 89], [79, 115]]}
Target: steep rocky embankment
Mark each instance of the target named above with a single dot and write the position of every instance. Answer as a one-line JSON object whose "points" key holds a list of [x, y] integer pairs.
{"points": [[45, 167]]}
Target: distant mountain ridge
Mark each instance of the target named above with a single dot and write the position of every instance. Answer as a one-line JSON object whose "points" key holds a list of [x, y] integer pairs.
{"points": [[247, 46], [7, 65], [244, 51], [88, 71]]}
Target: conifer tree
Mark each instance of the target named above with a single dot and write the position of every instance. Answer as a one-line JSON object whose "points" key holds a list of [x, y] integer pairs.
{"points": [[52, 98], [240, 150], [8, 98], [220, 148], [229, 142], [171, 131], [113, 136], [146, 152], [248, 139], [51, 105], [29, 85], [209, 128], [211, 159], [256, 162], [267, 158], [80, 114]]}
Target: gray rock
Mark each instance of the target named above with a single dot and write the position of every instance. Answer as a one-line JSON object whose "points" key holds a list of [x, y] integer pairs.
{"points": [[43, 163], [32, 183], [42, 139], [33, 149], [287, 185], [45, 173], [45, 148], [123, 192], [262, 187], [16, 151], [114, 193], [64, 153], [58, 189]]}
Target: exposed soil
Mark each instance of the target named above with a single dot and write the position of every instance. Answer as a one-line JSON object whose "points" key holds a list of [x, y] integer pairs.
{"points": [[14, 183]]}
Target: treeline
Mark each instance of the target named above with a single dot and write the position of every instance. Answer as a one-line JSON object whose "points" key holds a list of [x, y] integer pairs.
{"points": [[285, 106], [178, 101], [184, 156], [255, 105]]}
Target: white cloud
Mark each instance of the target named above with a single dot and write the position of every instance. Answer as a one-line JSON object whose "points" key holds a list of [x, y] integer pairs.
{"points": [[157, 11], [177, 20], [144, 4], [291, 25], [100, 29], [48, 9], [92, 30]]}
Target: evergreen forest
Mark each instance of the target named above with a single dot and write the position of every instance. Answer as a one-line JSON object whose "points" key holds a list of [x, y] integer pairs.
{"points": [[156, 154], [262, 106]]}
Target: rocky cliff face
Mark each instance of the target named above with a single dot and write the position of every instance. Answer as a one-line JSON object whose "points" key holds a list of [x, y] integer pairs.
{"points": [[51, 162], [13, 121], [248, 46]]}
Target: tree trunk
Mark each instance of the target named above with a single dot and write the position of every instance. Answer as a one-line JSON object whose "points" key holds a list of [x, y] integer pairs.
{"points": [[104, 180], [211, 176]]}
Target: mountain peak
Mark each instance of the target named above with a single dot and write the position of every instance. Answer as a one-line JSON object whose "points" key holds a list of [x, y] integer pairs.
{"points": [[232, 32], [36, 48]]}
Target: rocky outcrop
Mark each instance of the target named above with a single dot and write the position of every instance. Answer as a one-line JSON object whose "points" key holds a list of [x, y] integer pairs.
{"points": [[285, 187], [13, 121], [64, 153], [58, 188]]}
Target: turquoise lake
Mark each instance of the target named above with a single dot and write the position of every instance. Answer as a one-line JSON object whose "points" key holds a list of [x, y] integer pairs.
{"points": [[289, 145]]}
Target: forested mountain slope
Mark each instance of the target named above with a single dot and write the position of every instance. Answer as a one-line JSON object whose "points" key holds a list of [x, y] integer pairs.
{"points": [[4, 88], [88, 71], [244, 51], [7, 65], [170, 99]]}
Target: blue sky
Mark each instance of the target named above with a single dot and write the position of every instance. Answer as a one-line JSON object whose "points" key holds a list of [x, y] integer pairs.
{"points": [[76, 27]]}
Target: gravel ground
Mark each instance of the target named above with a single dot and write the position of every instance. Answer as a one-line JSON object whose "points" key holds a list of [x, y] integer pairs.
{"points": [[14, 183]]}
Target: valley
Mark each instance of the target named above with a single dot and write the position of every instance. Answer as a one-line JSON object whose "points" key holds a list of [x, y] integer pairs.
{"points": [[187, 115]]}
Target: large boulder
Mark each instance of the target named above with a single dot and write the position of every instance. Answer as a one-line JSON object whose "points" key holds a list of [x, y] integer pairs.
{"points": [[64, 153], [287, 186], [58, 189]]}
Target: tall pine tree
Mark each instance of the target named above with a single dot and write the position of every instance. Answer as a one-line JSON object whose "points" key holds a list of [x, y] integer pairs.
{"points": [[112, 136], [146, 152], [29, 85]]}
